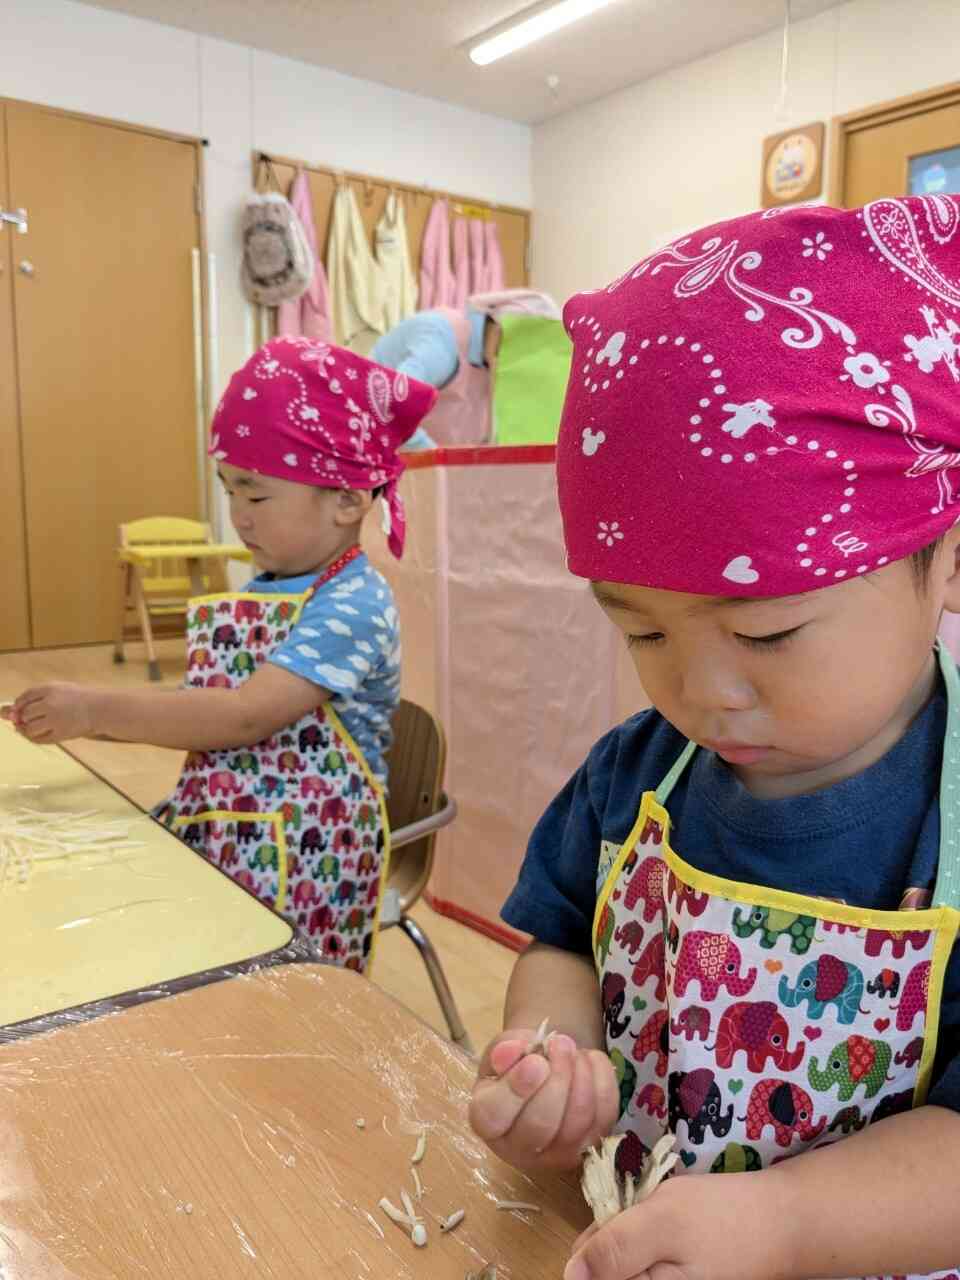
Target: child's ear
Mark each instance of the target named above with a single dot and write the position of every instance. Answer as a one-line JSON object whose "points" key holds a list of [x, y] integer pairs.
{"points": [[951, 571], [352, 505]]}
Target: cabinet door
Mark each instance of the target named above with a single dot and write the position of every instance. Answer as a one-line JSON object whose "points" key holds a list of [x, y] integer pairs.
{"points": [[14, 610], [104, 313]]}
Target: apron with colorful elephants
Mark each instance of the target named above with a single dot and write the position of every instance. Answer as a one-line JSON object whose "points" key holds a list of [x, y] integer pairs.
{"points": [[754, 1023], [298, 818]]}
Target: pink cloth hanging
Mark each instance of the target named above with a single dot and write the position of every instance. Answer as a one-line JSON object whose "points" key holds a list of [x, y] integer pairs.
{"points": [[478, 272], [461, 263], [436, 279], [308, 316], [493, 258]]}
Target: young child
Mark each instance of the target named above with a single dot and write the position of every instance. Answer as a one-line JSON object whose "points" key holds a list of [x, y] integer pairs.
{"points": [[745, 901], [291, 682]]}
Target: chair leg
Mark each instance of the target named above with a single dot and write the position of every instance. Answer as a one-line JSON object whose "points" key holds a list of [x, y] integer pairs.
{"points": [[122, 612], [458, 1032], [144, 614]]}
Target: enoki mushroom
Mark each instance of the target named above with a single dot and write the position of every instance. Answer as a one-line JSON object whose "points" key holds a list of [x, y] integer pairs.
{"points": [[541, 1041], [28, 836], [606, 1192]]}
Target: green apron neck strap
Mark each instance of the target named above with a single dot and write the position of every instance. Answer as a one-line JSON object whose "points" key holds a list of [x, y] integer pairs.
{"points": [[673, 777], [947, 890]]}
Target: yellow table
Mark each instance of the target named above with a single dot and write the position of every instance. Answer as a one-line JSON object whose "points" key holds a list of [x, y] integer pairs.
{"points": [[91, 926], [215, 1135]]}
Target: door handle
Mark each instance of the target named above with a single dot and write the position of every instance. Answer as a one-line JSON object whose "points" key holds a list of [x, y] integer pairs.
{"points": [[27, 268], [16, 218]]}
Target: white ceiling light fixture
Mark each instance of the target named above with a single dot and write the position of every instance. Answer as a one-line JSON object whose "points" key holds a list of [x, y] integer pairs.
{"points": [[534, 28]]}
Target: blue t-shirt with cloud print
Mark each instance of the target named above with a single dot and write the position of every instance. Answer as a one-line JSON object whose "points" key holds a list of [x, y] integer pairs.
{"points": [[347, 640]]}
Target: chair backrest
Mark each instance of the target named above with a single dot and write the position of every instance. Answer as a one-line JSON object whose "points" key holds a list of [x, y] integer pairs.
{"points": [[165, 578], [415, 764], [161, 529]]}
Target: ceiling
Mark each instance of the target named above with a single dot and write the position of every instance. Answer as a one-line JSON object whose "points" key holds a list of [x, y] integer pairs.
{"points": [[420, 45]]}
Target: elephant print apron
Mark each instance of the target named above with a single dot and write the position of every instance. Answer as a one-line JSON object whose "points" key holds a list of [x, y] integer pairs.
{"points": [[754, 1023], [297, 819]]}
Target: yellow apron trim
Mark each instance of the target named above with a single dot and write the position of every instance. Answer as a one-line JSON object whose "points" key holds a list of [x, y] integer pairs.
{"points": [[263, 597], [279, 834], [613, 875], [384, 820], [938, 969], [761, 896]]}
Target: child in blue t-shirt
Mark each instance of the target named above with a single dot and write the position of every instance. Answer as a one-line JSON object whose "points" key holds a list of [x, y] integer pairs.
{"points": [[745, 902], [292, 682]]}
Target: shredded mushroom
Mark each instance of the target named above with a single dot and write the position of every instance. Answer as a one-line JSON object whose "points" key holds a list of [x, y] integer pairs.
{"points": [[406, 1217], [518, 1206], [541, 1041]]}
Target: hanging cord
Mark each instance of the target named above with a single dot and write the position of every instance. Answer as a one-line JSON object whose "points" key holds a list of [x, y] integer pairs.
{"points": [[784, 62]]}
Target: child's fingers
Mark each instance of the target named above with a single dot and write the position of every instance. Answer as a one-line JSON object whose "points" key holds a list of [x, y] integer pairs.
{"points": [[497, 1101], [540, 1119], [33, 714], [582, 1238], [579, 1118], [506, 1054], [30, 696]]}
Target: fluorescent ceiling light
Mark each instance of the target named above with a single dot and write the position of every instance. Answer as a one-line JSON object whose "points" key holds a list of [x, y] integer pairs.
{"points": [[541, 24]]}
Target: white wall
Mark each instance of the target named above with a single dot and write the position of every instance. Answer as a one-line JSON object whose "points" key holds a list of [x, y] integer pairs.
{"points": [[614, 180], [64, 54]]}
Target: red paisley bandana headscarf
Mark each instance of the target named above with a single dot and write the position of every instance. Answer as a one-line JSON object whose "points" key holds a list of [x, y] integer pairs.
{"points": [[316, 414], [768, 406]]}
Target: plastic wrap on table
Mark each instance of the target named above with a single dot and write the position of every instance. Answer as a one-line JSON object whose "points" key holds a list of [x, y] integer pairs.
{"points": [[99, 903], [254, 1126], [508, 649], [299, 951]]}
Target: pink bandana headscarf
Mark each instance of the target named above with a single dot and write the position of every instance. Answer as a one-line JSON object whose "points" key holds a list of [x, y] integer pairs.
{"points": [[320, 415], [769, 406]]}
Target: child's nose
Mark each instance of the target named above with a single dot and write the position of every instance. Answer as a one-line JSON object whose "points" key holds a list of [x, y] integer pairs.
{"points": [[711, 685]]}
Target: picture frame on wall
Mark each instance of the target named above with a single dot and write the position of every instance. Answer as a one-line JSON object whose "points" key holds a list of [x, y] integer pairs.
{"points": [[792, 166]]}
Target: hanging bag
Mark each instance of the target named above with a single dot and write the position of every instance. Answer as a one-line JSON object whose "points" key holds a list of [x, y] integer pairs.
{"points": [[278, 262]]}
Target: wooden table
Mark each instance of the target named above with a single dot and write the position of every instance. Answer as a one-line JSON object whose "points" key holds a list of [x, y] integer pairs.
{"points": [[214, 1135], [90, 926]]}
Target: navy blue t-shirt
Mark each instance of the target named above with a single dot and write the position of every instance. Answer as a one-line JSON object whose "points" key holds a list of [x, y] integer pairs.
{"points": [[863, 841]]}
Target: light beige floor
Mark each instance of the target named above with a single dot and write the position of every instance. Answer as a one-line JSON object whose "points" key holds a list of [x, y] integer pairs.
{"points": [[476, 968]]}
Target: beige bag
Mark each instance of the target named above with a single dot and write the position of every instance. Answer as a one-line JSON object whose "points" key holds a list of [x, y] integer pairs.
{"points": [[277, 260]]}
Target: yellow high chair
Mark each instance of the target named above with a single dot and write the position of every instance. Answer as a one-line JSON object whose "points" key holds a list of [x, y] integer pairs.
{"points": [[164, 560]]}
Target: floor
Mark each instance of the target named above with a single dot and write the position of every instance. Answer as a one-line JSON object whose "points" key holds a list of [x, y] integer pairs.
{"points": [[477, 968]]}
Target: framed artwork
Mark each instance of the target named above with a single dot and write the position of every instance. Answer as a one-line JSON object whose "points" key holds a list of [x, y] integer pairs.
{"points": [[792, 166]]}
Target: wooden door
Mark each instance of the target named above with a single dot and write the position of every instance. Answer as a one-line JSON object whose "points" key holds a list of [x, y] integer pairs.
{"points": [[14, 607], [907, 147], [104, 314]]}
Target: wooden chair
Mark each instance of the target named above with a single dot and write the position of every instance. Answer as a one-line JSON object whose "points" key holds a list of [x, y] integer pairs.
{"points": [[163, 561], [417, 808]]}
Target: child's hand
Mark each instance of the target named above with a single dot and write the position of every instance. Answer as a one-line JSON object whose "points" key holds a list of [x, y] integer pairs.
{"points": [[540, 1113], [53, 713], [685, 1231]]}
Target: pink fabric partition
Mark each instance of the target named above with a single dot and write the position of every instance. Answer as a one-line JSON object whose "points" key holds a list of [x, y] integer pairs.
{"points": [[507, 649]]}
